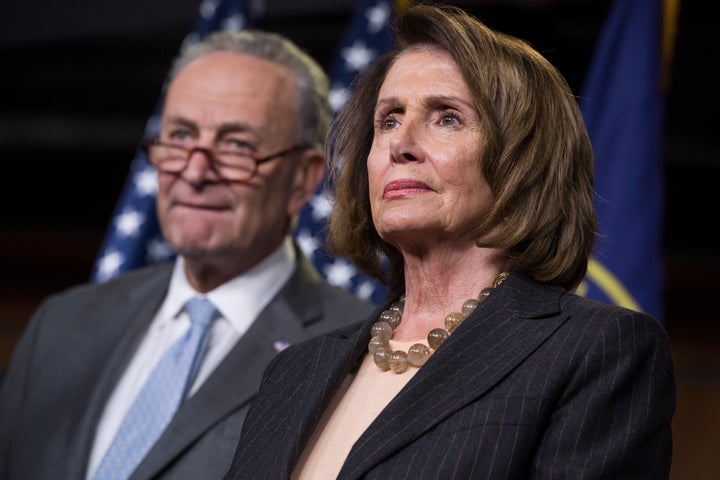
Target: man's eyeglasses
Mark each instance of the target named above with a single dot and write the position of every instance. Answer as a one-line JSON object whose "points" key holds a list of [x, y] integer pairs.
{"points": [[237, 166]]}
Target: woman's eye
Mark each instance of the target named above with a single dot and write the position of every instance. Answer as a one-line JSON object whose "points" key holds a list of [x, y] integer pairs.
{"points": [[449, 120], [388, 123]]}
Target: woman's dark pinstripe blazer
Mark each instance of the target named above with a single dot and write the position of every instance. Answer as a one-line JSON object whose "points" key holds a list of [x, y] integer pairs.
{"points": [[536, 383]]}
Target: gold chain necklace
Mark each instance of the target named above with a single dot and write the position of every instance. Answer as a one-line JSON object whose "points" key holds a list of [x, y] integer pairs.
{"points": [[416, 356]]}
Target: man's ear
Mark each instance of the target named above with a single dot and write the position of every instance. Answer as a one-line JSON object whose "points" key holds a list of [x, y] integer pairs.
{"points": [[308, 176]]}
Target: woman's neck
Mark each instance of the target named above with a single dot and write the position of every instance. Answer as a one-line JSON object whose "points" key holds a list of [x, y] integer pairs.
{"points": [[438, 284]]}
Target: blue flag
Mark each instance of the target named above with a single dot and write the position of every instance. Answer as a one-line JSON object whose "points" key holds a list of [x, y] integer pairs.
{"points": [[623, 105], [134, 239]]}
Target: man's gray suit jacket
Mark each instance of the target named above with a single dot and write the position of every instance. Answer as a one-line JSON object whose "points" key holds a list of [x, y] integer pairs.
{"points": [[76, 347]]}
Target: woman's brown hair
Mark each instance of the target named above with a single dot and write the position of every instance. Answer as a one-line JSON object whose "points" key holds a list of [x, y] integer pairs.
{"points": [[537, 156]]}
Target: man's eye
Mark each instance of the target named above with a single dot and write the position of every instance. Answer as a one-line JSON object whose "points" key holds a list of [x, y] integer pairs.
{"points": [[236, 146], [179, 134]]}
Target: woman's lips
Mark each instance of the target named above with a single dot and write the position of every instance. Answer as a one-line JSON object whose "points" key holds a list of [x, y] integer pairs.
{"points": [[404, 187]]}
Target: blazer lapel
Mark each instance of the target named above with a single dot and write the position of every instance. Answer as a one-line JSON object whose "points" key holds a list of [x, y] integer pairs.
{"points": [[504, 330], [234, 383], [282, 432], [121, 327]]}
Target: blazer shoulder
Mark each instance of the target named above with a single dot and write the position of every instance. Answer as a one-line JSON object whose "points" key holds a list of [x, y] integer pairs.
{"points": [[614, 321], [576, 303]]}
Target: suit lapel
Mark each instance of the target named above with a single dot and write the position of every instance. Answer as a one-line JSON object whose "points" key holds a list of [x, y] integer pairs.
{"points": [[121, 329], [234, 383], [485, 348]]}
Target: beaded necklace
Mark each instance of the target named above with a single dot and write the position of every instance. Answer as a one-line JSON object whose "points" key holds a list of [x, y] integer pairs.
{"points": [[382, 331]]}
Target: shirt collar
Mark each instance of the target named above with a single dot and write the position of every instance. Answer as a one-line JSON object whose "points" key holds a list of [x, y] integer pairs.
{"points": [[241, 299]]}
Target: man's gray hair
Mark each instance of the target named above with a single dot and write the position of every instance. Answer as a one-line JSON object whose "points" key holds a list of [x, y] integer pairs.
{"points": [[311, 82]]}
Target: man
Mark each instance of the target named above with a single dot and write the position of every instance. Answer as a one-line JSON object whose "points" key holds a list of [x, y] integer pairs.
{"points": [[238, 156]]}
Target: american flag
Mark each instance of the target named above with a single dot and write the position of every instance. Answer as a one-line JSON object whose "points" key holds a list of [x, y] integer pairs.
{"points": [[133, 238]]}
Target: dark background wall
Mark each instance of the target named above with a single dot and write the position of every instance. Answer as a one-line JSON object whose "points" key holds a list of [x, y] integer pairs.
{"points": [[80, 78]]}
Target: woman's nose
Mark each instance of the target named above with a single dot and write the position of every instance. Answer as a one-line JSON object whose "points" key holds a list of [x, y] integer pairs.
{"points": [[405, 145]]}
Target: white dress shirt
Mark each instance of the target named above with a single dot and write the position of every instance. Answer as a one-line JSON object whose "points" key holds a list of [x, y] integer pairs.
{"points": [[239, 302]]}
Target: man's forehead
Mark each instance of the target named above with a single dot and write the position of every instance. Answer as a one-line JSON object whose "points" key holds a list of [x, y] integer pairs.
{"points": [[230, 92], [234, 64], [235, 80]]}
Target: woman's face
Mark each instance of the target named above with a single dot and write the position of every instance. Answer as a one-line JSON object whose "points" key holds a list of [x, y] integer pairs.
{"points": [[423, 167]]}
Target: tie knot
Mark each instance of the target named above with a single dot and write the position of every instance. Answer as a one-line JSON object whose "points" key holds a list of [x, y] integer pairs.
{"points": [[201, 311]]}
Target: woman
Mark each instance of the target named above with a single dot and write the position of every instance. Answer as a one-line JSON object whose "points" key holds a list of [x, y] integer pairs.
{"points": [[463, 170]]}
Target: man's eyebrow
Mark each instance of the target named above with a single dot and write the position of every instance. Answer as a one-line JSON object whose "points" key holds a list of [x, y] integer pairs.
{"points": [[222, 129], [234, 127], [177, 120]]}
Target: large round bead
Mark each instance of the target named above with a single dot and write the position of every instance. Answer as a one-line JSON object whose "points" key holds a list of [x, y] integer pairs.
{"points": [[382, 358], [376, 343], [470, 305], [382, 330], [437, 336], [392, 317], [399, 361], [453, 320], [397, 306], [418, 355], [484, 293]]}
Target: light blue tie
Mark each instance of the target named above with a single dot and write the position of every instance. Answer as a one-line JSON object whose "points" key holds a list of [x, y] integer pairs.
{"points": [[160, 397]]}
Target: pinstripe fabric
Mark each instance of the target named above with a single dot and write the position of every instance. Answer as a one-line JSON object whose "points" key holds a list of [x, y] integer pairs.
{"points": [[537, 383]]}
